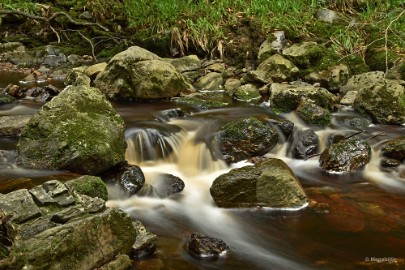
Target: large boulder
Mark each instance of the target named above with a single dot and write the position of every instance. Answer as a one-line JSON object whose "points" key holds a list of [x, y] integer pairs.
{"points": [[139, 74], [270, 183], [78, 131], [244, 138], [56, 226], [286, 97]]}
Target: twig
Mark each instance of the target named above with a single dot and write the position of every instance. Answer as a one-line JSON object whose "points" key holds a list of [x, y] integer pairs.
{"points": [[386, 40], [55, 15], [88, 40], [383, 133]]}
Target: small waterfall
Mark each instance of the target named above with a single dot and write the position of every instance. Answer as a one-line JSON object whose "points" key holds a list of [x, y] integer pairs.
{"points": [[152, 144]]}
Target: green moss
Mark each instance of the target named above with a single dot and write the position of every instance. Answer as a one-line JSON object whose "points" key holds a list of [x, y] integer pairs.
{"points": [[201, 103], [89, 185], [376, 59], [356, 64], [313, 114]]}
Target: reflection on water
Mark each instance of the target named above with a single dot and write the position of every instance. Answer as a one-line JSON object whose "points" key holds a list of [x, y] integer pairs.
{"points": [[349, 217]]}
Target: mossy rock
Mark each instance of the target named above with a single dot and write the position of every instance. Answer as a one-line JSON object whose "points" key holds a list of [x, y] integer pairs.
{"points": [[313, 114], [246, 92], [395, 148], [270, 183], [244, 138], [89, 185], [376, 59], [304, 54], [78, 130]]}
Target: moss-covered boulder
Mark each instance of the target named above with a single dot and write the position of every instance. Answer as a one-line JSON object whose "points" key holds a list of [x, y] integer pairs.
{"points": [[278, 69], [356, 82], [345, 156], [270, 183], [395, 148], [383, 101], [304, 54], [78, 130], [313, 114], [210, 81], [332, 78], [286, 97], [57, 226], [204, 100], [139, 74], [244, 138]]}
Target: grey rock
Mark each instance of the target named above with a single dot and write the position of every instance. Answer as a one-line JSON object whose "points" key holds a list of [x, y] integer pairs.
{"points": [[357, 82], [210, 81], [273, 44], [349, 98], [326, 15], [187, 63], [312, 113], [304, 54], [231, 84], [20, 205], [12, 125], [168, 184], [303, 143]]}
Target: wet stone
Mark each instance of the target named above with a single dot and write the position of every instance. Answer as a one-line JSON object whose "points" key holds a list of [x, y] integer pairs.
{"points": [[31, 229], [169, 184], [203, 246], [303, 144], [54, 188], [145, 243], [389, 163], [20, 205]]}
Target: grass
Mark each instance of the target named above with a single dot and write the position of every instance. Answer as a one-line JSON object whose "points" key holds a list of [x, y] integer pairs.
{"points": [[205, 24]]}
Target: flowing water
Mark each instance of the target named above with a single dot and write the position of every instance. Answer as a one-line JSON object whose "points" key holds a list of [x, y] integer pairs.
{"points": [[354, 221]]}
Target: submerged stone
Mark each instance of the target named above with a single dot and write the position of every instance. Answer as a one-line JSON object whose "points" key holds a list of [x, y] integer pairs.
{"points": [[244, 138], [78, 131], [207, 247], [270, 183], [345, 155]]}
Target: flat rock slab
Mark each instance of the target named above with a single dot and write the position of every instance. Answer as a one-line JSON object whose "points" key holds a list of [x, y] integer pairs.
{"points": [[11, 125]]}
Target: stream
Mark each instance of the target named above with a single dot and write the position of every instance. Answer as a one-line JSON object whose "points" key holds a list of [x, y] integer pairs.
{"points": [[353, 221]]}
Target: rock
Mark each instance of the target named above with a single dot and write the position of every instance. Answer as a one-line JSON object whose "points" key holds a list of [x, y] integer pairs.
{"points": [[278, 69], [231, 84], [332, 78], [358, 122], [129, 178], [345, 156], [256, 77], [244, 138], [304, 54], [269, 183], [20, 205], [121, 262], [11, 125], [273, 44], [202, 100], [78, 130], [206, 247], [218, 67], [11, 47], [89, 185], [286, 126], [6, 99], [394, 148], [246, 92], [357, 82], [326, 15], [210, 81], [187, 63], [77, 77], [82, 235], [148, 191], [349, 98], [383, 101], [168, 114], [313, 114], [390, 163], [286, 97], [139, 74], [303, 143], [168, 184], [145, 243], [93, 70]]}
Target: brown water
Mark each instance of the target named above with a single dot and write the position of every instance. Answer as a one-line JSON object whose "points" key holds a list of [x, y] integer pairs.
{"points": [[354, 221]]}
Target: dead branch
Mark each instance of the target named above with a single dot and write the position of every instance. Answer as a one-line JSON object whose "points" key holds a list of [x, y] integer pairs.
{"points": [[54, 16]]}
